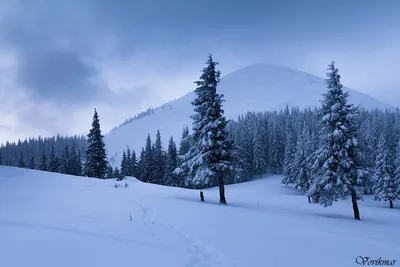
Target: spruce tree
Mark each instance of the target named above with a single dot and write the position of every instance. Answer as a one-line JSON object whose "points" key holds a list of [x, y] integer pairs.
{"points": [[259, 163], [290, 150], [184, 145], [52, 161], [171, 164], [339, 168], [65, 161], [43, 163], [140, 164], [133, 165], [32, 164], [110, 172], [124, 165], [116, 173], [78, 164], [146, 159], [128, 162], [158, 161], [96, 156], [386, 187], [301, 175], [21, 162], [210, 157]]}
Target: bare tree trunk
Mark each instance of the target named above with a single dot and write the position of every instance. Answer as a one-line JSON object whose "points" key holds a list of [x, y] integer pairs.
{"points": [[391, 204], [309, 200], [201, 196], [355, 205], [222, 198]]}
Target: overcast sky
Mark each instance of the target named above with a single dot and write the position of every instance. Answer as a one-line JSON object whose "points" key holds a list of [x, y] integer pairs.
{"points": [[61, 59]]}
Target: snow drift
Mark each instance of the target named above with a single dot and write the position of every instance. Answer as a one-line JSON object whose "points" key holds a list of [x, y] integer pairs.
{"points": [[49, 219]]}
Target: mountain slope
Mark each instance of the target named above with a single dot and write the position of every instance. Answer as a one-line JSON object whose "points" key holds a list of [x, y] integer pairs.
{"points": [[258, 87], [49, 219]]}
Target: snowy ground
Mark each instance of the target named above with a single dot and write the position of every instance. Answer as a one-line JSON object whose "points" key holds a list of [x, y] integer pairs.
{"points": [[53, 220]]}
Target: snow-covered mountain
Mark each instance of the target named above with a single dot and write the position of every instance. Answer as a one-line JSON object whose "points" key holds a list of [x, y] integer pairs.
{"points": [[257, 87]]}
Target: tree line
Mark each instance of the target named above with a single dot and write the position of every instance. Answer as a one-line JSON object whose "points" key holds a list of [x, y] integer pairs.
{"points": [[328, 153], [60, 154]]}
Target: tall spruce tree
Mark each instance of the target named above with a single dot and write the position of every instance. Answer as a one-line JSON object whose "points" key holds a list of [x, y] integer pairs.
{"points": [[158, 161], [133, 164], [124, 165], [184, 145], [65, 161], [128, 162], [386, 187], [171, 164], [210, 157], [339, 168], [146, 159], [96, 155], [301, 175], [259, 163], [290, 150]]}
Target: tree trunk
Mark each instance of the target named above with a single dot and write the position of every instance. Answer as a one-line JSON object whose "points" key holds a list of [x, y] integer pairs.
{"points": [[309, 200], [201, 196], [391, 204], [355, 205], [221, 189]]}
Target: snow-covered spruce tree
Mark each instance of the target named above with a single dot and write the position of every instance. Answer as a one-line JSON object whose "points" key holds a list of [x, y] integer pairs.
{"points": [[140, 165], [210, 157], [158, 161], [96, 155], [146, 159], [131, 162], [276, 149], [290, 150], [301, 164], [124, 165], [386, 184], [258, 152], [171, 164], [65, 161], [184, 145], [76, 162], [339, 168]]}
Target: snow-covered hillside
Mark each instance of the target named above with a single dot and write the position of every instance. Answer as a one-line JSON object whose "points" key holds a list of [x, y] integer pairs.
{"points": [[258, 87], [49, 220]]}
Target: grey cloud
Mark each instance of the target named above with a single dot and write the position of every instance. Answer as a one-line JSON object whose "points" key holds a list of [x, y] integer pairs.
{"points": [[58, 43], [60, 75]]}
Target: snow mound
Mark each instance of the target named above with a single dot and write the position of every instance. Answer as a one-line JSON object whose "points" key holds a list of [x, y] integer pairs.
{"points": [[259, 87]]}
